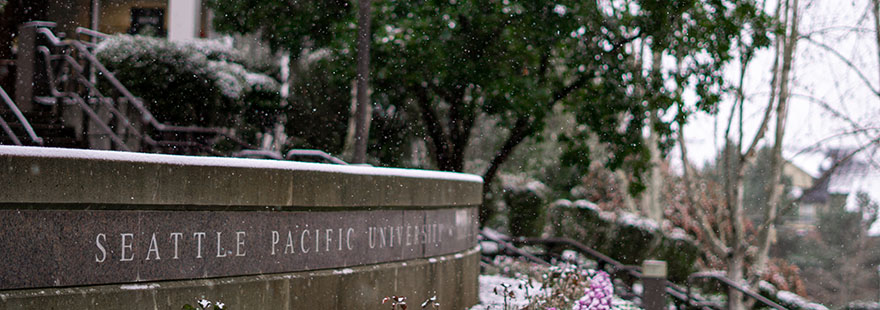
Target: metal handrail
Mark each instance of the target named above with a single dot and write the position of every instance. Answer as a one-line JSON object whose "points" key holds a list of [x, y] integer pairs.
{"points": [[80, 71], [602, 259], [93, 116], [314, 153], [91, 33], [730, 284], [23, 120], [9, 132], [497, 238], [136, 102]]}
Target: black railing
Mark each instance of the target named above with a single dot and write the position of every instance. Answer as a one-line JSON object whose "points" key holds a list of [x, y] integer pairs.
{"points": [[730, 284], [29, 130]]}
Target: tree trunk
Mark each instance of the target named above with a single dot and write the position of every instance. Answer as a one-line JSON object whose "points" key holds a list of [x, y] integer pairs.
{"points": [[521, 130], [735, 271], [348, 144], [736, 262], [362, 122], [651, 206], [775, 186], [876, 11]]}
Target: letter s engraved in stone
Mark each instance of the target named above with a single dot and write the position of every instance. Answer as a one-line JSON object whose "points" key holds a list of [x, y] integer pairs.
{"points": [[100, 248], [126, 244]]}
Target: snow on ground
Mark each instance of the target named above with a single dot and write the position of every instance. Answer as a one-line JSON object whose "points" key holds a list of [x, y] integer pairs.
{"points": [[490, 300]]}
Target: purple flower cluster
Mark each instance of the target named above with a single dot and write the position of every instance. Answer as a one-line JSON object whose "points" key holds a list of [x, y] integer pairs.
{"points": [[598, 296]]}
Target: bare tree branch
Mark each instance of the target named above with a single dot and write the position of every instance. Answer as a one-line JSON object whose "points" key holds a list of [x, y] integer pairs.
{"points": [[876, 11], [845, 61], [827, 107], [716, 244], [775, 187]]}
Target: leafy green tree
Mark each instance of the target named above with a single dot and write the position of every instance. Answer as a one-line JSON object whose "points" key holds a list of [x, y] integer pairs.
{"points": [[446, 62], [285, 25]]}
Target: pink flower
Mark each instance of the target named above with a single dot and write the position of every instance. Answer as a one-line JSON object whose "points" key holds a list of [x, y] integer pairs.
{"points": [[598, 296]]}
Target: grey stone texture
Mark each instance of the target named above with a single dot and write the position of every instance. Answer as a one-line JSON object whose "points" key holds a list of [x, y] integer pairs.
{"points": [[46, 175], [77, 231], [54, 248], [452, 278]]}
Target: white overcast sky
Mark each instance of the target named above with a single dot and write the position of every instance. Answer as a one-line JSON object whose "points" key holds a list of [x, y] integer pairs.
{"points": [[819, 76]]}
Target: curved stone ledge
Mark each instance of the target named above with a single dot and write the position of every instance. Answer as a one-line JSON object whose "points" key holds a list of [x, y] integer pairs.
{"points": [[452, 278], [53, 175], [87, 229]]}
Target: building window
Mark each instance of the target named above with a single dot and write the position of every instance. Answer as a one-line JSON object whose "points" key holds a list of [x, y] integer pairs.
{"points": [[148, 22]]}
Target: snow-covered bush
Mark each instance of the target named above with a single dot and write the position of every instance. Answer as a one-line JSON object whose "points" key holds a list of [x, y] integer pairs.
{"points": [[680, 252], [201, 82], [635, 238], [524, 199], [624, 236], [583, 221]]}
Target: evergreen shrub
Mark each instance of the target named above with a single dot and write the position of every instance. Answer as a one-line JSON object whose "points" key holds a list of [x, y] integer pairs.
{"points": [[524, 199], [200, 82], [625, 237]]}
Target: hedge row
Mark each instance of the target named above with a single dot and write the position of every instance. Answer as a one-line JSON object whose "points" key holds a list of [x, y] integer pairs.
{"points": [[627, 237]]}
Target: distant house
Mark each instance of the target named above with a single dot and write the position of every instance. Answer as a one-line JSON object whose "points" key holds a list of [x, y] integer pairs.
{"points": [[833, 189]]}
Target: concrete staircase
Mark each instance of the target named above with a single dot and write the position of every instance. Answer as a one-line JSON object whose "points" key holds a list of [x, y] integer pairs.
{"points": [[46, 125]]}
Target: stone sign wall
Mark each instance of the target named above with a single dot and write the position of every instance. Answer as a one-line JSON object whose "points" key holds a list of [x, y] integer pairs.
{"points": [[80, 220], [65, 248]]}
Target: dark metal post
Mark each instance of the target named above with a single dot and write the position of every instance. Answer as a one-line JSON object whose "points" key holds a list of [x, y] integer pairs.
{"points": [[30, 80], [654, 285]]}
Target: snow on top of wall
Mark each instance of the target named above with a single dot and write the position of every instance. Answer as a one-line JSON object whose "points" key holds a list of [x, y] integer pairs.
{"points": [[207, 161]]}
